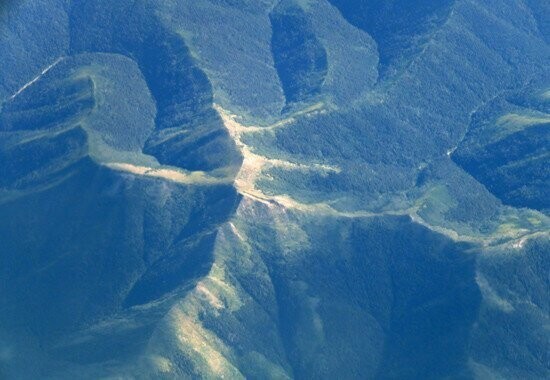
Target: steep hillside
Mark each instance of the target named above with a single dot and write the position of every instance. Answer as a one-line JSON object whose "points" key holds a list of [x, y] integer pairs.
{"points": [[308, 189]]}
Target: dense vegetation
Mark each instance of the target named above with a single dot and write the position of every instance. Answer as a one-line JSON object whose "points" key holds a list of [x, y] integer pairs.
{"points": [[385, 216]]}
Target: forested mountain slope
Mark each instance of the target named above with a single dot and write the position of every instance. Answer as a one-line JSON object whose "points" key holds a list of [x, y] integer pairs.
{"points": [[309, 189]]}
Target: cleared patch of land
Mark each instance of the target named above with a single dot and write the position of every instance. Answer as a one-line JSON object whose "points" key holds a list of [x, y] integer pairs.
{"points": [[179, 176]]}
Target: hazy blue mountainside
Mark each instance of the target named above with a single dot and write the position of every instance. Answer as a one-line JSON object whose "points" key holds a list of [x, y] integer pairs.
{"points": [[309, 189], [506, 147]]}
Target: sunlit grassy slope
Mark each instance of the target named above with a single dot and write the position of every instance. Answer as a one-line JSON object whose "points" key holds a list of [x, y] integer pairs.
{"points": [[309, 189]]}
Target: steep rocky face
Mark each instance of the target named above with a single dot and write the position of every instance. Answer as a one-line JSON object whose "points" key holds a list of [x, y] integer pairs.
{"points": [[273, 189]]}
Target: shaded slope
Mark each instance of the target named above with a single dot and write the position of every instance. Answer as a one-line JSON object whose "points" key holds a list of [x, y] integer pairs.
{"points": [[347, 256], [300, 58], [398, 27], [514, 283], [72, 111], [541, 13], [338, 300], [116, 241], [30, 42], [382, 141], [506, 148], [98, 243], [188, 132]]}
